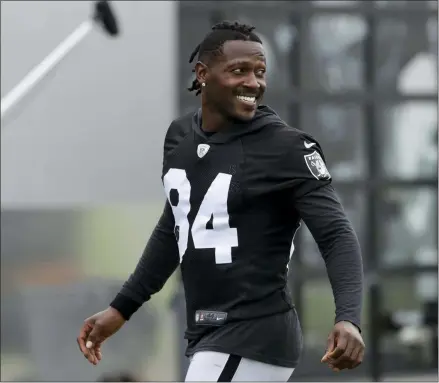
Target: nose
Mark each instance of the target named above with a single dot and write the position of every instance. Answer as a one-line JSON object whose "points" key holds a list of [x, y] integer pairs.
{"points": [[251, 82]]}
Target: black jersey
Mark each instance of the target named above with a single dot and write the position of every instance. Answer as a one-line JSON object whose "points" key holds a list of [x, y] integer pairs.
{"points": [[234, 203], [228, 196]]}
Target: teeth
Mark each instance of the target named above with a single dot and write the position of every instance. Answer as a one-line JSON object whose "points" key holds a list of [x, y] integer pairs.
{"points": [[247, 99]]}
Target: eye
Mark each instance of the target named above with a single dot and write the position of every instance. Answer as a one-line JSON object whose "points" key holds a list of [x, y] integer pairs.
{"points": [[238, 71], [260, 72]]}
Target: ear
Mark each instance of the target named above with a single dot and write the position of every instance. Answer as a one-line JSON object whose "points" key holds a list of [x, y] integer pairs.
{"points": [[201, 71]]}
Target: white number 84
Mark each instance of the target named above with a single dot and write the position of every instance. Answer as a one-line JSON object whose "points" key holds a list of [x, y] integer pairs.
{"points": [[222, 238]]}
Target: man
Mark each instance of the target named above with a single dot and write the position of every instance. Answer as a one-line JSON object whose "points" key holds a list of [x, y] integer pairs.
{"points": [[238, 182]]}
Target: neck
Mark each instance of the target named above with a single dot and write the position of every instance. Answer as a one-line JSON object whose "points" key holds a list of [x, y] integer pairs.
{"points": [[212, 120]]}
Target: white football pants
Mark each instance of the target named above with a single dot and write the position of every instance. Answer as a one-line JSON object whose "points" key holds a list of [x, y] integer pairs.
{"points": [[218, 367]]}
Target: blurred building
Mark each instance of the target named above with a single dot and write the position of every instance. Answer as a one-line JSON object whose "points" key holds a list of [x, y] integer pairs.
{"points": [[80, 164]]}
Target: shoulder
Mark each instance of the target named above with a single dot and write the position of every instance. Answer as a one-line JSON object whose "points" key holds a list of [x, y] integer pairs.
{"points": [[295, 145], [280, 140], [293, 139], [277, 146], [177, 131], [291, 150], [302, 156], [299, 157]]}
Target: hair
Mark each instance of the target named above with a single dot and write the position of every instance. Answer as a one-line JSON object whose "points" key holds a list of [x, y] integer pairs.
{"points": [[213, 43]]}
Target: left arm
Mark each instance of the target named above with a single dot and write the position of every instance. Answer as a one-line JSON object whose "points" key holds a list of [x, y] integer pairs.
{"points": [[323, 214], [303, 173], [325, 218]]}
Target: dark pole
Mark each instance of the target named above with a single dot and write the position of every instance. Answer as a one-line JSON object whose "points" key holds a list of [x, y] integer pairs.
{"points": [[373, 194]]}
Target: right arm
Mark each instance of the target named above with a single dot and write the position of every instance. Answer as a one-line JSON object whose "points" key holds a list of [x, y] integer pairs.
{"points": [[157, 263], [160, 257]]}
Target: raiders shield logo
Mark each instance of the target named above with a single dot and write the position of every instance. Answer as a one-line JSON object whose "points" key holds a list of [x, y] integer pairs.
{"points": [[317, 166], [202, 150]]}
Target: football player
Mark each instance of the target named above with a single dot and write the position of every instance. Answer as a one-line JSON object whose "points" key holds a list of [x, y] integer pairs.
{"points": [[239, 181]]}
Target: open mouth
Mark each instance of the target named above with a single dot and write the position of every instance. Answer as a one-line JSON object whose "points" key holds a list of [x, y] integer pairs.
{"points": [[249, 100]]}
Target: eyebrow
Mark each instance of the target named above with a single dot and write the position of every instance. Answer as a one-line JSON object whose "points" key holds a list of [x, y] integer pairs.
{"points": [[245, 62]]}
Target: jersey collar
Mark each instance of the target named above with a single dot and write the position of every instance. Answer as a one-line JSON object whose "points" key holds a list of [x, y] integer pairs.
{"points": [[264, 116]]}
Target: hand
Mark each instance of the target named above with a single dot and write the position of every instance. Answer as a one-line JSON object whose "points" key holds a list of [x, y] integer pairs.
{"points": [[95, 330], [345, 347]]}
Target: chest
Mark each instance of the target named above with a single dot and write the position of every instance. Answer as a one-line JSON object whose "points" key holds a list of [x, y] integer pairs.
{"points": [[200, 172], [211, 192], [203, 184]]}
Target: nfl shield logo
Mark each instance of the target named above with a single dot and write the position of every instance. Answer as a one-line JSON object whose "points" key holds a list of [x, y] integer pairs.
{"points": [[202, 150], [317, 166]]}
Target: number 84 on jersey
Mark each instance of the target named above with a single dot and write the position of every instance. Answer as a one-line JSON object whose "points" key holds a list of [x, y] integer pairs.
{"points": [[213, 208]]}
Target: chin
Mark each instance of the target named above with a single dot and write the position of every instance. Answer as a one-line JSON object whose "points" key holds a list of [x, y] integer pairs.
{"points": [[247, 116], [244, 115]]}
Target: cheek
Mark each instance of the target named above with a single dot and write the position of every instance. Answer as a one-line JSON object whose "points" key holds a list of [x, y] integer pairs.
{"points": [[214, 94], [228, 83], [220, 92]]}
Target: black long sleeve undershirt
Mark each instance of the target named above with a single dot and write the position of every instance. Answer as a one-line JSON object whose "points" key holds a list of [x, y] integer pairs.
{"points": [[324, 216], [157, 263]]}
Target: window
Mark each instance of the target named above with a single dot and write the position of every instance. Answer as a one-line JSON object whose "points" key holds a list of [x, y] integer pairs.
{"points": [[408, 134], [407, 227], [334, 53], [406, 55]]}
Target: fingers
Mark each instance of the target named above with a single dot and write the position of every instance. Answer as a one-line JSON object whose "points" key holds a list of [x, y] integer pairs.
{"points": [[99, 354], [330, 344], [339, 350], [358, 358], [345, 347], [82, 339], [350, 355], [92, 353], [93, 344], [95, 337], [89, 344], [346, 353], [83, 335]]}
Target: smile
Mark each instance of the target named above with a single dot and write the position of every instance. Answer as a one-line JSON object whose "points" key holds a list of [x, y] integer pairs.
{"points": [[248, 100]]}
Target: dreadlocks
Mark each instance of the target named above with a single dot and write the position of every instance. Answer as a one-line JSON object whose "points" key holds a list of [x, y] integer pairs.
{"points": [[213, 43]]}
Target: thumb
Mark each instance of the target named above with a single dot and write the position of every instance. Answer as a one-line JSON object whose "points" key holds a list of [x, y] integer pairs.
{"points": [[95, 337], [330, 344]]}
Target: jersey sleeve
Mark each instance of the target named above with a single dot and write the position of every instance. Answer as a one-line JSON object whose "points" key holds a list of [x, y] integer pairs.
{"points": [[303, 165], [334, 234], [303, 173], [160, 257], [157, 263]]}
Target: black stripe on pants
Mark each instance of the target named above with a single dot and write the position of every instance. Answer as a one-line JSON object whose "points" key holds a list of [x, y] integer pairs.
{"points": [[230, 368]]}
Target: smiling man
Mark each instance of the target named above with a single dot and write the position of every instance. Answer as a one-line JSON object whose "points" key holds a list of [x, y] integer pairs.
{"points": [[239, 181]]}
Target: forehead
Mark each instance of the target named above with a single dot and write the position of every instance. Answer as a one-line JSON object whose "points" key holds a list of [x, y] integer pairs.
{"points": [[239, 50]]}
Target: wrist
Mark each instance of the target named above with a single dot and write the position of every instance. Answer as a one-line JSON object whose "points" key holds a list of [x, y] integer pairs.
{"points": [[350, 322], [115, 312], [125, 306]]}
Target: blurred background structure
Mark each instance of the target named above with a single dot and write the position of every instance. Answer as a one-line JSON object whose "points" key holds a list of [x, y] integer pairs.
{"points": [[81, 162]]}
